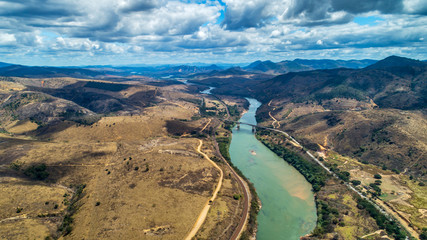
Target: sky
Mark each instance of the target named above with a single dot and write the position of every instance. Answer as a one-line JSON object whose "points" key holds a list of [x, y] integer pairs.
{"points": [[120, 32]]}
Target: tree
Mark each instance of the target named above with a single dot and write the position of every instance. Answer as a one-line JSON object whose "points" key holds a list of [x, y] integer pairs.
{"points": [[37, 172], [355, 182], [423, 235]]}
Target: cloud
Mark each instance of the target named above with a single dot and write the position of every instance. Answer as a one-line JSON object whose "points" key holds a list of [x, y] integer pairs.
{"points": [[245, 14], [213, 36], [241, 14], [140, 5], [172, 19], [362, 6], [238, 29], [7, 39], [37, 9], [418, 7]]}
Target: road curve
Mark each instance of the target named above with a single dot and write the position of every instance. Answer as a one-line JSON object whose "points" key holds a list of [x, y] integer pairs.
{"points": [[208, 204], [274, 120]]}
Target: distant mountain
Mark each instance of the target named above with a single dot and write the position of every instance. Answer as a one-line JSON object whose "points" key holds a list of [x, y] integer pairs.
{"points": [[228, 81], [3, 64], [262, 66], [156, 71], [299, 65], [185, 70], [230, 71], [331, 64], [46, 72], [276, 68], [395, 61]]}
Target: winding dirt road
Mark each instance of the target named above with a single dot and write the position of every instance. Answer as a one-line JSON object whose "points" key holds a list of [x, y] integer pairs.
{"points": [[271, 116], [208, 204], [274, 121]]}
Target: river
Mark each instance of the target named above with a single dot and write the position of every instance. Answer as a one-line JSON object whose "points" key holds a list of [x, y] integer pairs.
{"points": [[288, 209]]}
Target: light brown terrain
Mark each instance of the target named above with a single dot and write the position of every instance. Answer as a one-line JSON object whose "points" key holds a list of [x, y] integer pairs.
{"points": [[364, 141], [141, 181]]}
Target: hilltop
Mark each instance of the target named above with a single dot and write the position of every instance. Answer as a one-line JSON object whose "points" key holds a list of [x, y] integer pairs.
{"points": [[299, 65]]}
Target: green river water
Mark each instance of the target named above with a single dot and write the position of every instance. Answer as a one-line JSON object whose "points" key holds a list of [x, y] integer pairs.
{"points": [[288, 209]]}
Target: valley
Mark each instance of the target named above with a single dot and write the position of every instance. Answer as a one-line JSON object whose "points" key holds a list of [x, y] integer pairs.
{"points": [[88, 154]]}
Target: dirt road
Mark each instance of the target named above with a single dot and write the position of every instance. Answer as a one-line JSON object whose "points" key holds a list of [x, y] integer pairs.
{"points": [[208, 204], [210, 120], [274, 121]]}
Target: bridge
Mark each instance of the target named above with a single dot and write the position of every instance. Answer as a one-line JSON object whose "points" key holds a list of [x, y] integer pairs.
{"points": [[266, 128], [382, 210]]}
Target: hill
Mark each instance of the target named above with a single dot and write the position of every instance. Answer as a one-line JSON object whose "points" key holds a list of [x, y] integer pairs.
{"points": [[375, 114], [163, 71], [368, 124], [67, 177], [46, 72], [299, 65], [389, 86], [330, 64], [3, 64], [396, 61]]}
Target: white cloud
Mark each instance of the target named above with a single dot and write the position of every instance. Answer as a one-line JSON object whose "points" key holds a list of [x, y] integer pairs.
{"points": [[7, 39], [415, 6], [129, 29]]}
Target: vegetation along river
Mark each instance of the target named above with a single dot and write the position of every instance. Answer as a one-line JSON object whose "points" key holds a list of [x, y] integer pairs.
{"points": [[288, 209]]}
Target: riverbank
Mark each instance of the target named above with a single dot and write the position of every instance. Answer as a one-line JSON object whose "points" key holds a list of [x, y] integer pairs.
{"points": [[255, 203], [288, 211], [334, 201]]}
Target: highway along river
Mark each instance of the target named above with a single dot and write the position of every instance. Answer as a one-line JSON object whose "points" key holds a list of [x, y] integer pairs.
{"points": [[288, 209]]}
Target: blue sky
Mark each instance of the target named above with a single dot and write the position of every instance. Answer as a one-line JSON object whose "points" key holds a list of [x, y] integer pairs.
{"points": [[81, 32]]}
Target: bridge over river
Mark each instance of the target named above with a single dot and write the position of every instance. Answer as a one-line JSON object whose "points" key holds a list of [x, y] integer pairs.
{"points": [[382, 210]]}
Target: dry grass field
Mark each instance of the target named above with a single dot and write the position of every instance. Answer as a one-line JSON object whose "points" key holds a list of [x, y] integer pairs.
{"points": [[140, 181], [401, 195]]}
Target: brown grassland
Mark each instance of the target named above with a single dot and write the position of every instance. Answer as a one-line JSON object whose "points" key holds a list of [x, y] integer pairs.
{"points": [[141, 181]]}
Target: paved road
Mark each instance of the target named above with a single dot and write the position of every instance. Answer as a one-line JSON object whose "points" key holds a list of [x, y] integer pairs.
{"points": [[389, 214]]}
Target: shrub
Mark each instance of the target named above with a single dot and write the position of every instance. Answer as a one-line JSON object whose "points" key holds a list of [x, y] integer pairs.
{"points": [[375, 188], [377, 176], [355, 182], [423, 235], [16, 166], [237, 196], [37, 172]]}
